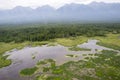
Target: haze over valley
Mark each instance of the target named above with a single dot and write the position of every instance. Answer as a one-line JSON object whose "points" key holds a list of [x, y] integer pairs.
{"points": [[93, 12]]}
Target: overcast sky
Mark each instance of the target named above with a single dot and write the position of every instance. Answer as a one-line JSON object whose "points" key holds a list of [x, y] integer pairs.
{"points": [[8, 4]]}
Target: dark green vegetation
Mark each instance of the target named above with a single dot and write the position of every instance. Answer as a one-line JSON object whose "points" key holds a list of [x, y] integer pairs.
{"points": [[4, 62], [105, 66], [71, 55], [28, 71], [74, 48], [50, 31]]}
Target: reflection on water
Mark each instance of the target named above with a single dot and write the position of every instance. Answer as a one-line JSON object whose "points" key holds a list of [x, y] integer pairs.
{"points": [[91, 44], [24, 58]]}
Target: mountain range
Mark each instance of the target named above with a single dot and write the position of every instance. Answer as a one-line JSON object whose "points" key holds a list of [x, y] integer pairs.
{"points": [[93, 12]]}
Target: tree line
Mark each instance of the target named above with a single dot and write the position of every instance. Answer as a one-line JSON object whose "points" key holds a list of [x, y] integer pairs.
{"points": [[23, 33]]}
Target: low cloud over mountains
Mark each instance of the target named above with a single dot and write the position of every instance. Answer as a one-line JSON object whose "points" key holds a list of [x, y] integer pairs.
{"points": [[93, 12]]}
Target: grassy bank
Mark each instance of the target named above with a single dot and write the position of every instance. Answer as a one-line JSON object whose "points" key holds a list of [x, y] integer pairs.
{"points": [[4, 62], [72, 41], [9, 46], [75, 48], [6, 47], [28, 71], [71, 55], [110, 41]]}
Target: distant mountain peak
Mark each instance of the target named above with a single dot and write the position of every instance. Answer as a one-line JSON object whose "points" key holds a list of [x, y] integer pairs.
{"points": [[45, 7], [95, 11], [94, 2], [21, 7]]}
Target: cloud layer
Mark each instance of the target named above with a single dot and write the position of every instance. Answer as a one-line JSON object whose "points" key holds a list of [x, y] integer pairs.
{"points": [[8, 4]]}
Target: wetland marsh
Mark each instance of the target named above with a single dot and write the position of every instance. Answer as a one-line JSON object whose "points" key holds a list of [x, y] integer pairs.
{"points": [[72, 54]]}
